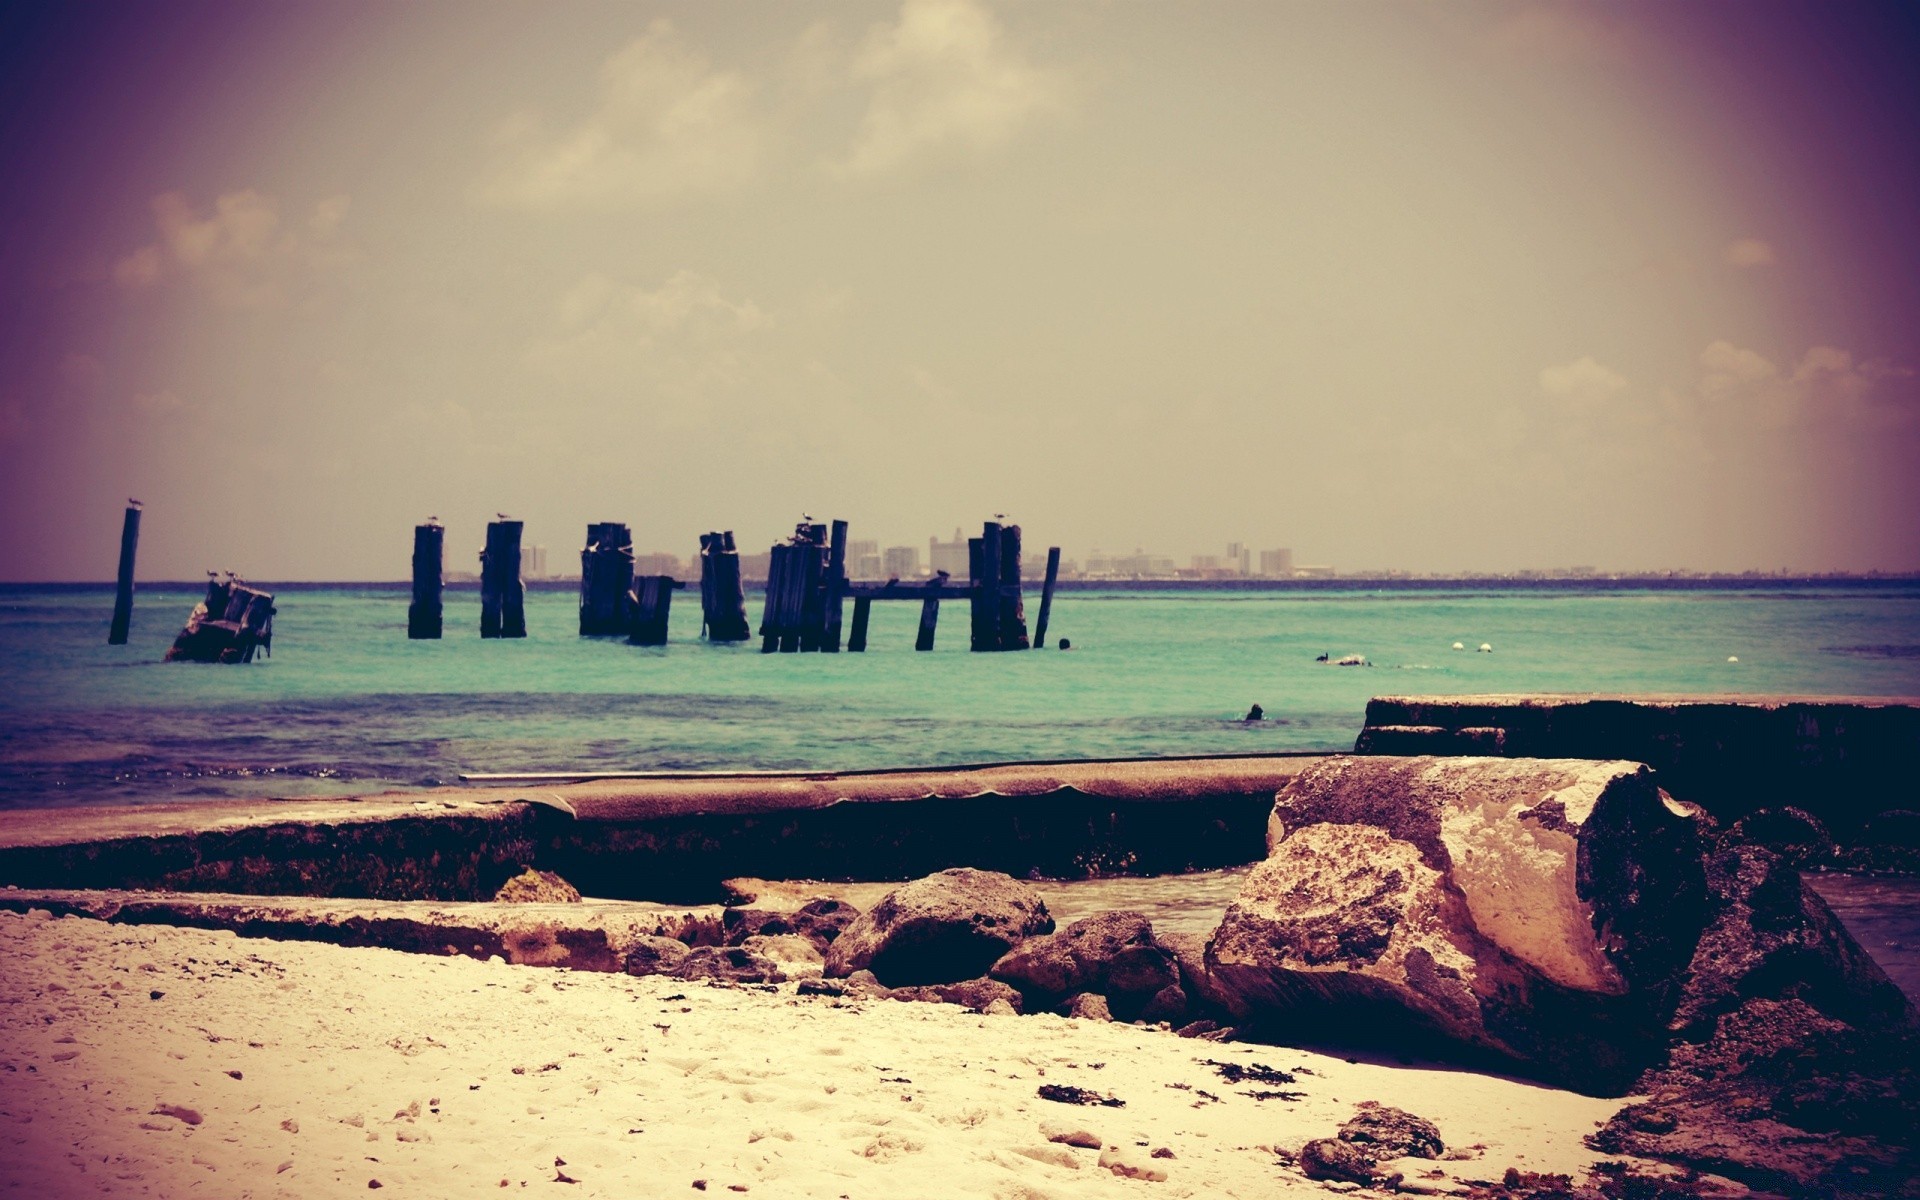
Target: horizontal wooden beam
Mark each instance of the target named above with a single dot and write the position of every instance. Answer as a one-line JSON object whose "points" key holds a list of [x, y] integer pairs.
{"points": [[914, 591]]}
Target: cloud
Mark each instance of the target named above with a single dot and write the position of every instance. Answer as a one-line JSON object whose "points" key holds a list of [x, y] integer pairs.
{"points": [[1748, 253], [945, 78], [666, 125], [1583, 383], [1826, 388], [239, 253]]}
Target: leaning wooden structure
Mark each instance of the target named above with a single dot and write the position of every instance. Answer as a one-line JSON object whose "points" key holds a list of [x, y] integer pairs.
{"points": [[227, 627]]}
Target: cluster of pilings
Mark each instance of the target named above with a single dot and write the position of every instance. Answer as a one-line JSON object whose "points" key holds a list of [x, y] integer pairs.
{"points": [[807, 586], [229, 626]]}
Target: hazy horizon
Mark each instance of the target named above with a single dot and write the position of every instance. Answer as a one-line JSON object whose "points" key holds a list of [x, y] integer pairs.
{"points": [[1442, 288]]}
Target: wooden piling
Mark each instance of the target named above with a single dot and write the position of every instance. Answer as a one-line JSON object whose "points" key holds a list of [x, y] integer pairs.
{"points": [[770, 623], [833, 591], [723, 598], [429, 556], [649, 607], [930, 611], [979, 598], [1011, 613], [606, 579], [123, 592], [857, 639], [502, 595], [1046, 598], [810, 621]]}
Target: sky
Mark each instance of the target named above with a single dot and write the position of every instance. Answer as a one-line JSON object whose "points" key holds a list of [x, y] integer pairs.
{"points": [[1429, 286]]}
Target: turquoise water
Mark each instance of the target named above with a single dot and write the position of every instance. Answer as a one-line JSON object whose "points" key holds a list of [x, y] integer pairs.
{"points": [[348, 704]]}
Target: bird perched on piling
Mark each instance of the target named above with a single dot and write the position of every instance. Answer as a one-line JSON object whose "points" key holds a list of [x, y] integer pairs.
{"points": [[132, 503]]}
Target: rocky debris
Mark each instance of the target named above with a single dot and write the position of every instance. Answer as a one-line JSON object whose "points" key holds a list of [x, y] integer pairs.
{"points": [[1089, 1006], [1375, 1134], [820, 921], [1796, 1063], [1793, 833], [975, 994], [1537, 909], [729, 964], [1062, 1093], [536, 887], [1386, 1132], [999, 1008], [1070, 1135], [1112, 955], [656, 956], [1331, 1158], [949, 926], [1128, 1163], [796, 956]]}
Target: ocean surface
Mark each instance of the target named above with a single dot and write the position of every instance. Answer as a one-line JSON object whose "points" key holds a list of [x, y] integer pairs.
{"points": [[348, 704]]}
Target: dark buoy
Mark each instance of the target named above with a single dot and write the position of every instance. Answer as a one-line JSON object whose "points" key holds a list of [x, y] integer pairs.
{"points": [[1256, 713], [1066, 643]]}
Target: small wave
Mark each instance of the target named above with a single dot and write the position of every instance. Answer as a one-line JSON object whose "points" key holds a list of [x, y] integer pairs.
{"points": [[1887, 651]]}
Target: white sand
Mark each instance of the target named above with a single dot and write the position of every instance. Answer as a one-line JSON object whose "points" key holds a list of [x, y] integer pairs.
{"points": [[313, 1070]]}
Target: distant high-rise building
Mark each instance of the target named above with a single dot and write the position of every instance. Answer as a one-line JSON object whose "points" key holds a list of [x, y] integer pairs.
{"points": [[1239, 558], [902, 562], [533, 562], [1276, 564], [950, 557], [863, 559], [657, 563]]}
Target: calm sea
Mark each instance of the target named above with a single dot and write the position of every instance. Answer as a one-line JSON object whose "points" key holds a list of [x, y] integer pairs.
{"points": [[348, 704]]}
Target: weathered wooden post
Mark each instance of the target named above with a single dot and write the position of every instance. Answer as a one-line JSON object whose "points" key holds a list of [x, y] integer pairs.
{"points": [[606, 578], [651, 604], [429, 555], [502, 596], [857, 639], [228, 626], [978, 597], [930, 611], [834, 592], [811, 626], [723, 598], [123, 592], [1010, 608], [1046, 598]]}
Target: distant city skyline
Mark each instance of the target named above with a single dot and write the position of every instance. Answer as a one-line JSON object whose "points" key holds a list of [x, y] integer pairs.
{"points": [[1480, 286]]}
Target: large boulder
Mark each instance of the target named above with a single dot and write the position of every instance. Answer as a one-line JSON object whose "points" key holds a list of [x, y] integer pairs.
{"points": [[945, 928], [1540, 910], [819, 921], [1796, 1063], [1113, 955]]}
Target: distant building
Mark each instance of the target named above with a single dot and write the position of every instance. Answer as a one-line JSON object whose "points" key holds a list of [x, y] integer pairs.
{"points": [[657, 563], [1239, 559], [950, 557], [902, 562], [533, 562], [863, 559], [1312, 571], [1276, 564]]}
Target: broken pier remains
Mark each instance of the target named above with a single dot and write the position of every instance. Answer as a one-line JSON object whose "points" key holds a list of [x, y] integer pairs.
{"points": [[228, 626], [502, 596], [807, 587], [429, 556]]}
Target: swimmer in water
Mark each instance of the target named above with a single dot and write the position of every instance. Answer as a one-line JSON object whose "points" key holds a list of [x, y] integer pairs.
{"points": [[1256, 713]]}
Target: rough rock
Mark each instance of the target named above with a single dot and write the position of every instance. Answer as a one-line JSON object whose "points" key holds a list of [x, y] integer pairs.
{"points": [[1386, 1132], [797, 956], [1089, 1006], [976, 994], [1168, 1005], [1537, 909], [656, 956], [1793, 833], [1000, 1008], [949, 926], [1331, 1158], [1128, 1163], [536, 887], [1070, 1134], [820, 921], [732, 964], [1796, 1064], [1112, 954]]}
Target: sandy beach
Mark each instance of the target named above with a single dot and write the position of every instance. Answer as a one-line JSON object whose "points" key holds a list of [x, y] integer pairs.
{"points": [[154, 1061]]}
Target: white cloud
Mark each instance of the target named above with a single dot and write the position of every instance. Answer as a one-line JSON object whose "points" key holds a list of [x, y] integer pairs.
{"points": [[1748, 253], [239, 252], [1583, 383], [945, 77], [667, 124], [1827, 387]]}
